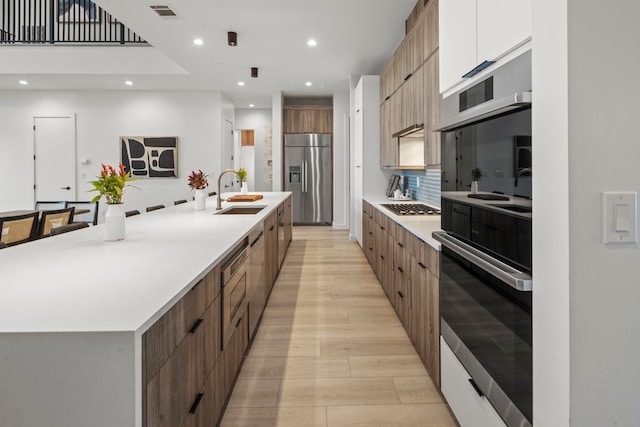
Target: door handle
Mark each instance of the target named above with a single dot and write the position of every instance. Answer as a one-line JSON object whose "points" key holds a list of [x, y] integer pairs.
{"points": [[65, 188]]}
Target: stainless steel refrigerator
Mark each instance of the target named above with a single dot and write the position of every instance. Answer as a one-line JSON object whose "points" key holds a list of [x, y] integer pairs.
{"points": [[308, 175]]}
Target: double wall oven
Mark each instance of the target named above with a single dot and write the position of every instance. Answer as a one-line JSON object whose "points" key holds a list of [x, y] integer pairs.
{"points": [[486, 271]]}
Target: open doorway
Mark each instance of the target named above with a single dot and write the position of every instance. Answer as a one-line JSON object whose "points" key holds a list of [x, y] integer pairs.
{"points": [[246, 155]]}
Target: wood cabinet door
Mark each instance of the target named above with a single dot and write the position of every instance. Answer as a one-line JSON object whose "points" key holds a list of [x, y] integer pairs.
{"points": [[288, 223], [206, 411], [431, 110], [388, 146], [433, 328], [234, 351], [430, 24], [402, 298], [419, 308]]}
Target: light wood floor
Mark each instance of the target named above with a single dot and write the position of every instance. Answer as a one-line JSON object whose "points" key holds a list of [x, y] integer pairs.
{"points": [[330, 350]]}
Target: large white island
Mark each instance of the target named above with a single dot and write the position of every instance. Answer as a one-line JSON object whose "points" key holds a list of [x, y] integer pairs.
{"points": [[74, 308]]}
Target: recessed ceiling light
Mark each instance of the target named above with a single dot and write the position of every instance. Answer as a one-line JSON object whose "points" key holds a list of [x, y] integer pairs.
{"points": [[312, 42], [240, 83], [198, 42], [251, 105], [23, 82], [308, 83], [129, 83]]}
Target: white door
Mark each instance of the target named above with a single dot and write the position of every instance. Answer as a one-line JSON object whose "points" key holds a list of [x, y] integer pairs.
{"points": [[228, 148], [54, 140]]}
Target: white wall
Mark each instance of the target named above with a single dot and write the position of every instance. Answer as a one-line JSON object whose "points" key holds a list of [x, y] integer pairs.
{"points": [[101, 117], [586, 294], [256, 119], [341, 159]]}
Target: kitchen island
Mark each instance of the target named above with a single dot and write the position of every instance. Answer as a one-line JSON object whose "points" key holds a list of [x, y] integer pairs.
{"points": [[74, 309]]}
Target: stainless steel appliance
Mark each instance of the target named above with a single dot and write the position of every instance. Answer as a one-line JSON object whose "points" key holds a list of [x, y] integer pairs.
{"points": [[485, 309], [256, 284], [308, 175], [234, 289], [485, 269], [488, 126], [411, 209]]}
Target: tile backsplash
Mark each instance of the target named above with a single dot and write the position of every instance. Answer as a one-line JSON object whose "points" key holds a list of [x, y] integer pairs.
{"points": [[429, 190]]}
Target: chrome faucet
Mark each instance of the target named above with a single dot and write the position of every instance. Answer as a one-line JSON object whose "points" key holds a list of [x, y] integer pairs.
{"points": [[219, 206], [521, 172]]}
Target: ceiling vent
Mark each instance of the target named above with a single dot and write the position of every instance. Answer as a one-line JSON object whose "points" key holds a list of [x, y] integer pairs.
{"points": [[164, 11]]}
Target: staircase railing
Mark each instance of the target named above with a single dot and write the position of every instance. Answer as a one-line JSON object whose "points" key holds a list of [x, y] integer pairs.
{"points": [[61, 22]]}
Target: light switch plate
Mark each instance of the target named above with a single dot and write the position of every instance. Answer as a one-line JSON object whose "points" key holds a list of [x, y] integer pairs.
{"points": [[620, 217]]}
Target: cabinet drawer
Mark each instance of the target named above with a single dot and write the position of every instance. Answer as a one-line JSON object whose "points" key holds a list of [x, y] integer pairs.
{"points": [[430, 258], [234, 351], [171, 393], [206, 411], [467, 405], [165, 335]]}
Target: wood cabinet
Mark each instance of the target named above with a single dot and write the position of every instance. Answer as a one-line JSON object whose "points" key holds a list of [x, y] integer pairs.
{"points": [[173, 381], [271, 250], [409, 86], [307, 119], [288, 222], [474, 31], [408, 270], [431, 111]]}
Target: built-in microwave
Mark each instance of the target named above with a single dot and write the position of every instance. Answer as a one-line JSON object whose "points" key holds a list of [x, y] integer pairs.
{"points": [[488, 126]]}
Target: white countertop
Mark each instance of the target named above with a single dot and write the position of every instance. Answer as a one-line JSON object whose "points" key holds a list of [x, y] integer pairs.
{"points": [[78, 282], [463, 197], [420, 225]]}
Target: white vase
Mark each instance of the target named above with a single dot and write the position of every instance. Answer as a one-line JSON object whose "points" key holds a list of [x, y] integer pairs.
{"points": [[244, 188], [201, 200], [474, 187], [114, 222]]}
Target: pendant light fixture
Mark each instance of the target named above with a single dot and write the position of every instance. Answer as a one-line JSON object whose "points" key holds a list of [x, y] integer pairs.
{"points": [[232, 38]]}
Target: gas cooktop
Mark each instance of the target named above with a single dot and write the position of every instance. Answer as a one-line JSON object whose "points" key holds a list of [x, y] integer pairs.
{"points": [[411, 209]]}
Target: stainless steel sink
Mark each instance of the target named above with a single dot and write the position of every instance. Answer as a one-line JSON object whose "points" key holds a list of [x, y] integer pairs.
{"points": [[241, 210], [514, 208]]}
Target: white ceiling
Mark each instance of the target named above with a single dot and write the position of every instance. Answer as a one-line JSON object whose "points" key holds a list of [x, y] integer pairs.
{"points": [[355, 37]]}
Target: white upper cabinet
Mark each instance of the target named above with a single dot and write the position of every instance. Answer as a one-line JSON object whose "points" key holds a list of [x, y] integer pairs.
{"points": [[474, 31], [457, 33], [502, 25]]}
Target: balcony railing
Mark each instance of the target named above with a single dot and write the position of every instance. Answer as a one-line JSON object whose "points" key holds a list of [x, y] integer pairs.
{"points": [[61, 22]]}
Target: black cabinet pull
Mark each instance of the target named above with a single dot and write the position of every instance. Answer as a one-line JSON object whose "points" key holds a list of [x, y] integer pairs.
{"points": [[422, 265], [381, 228], [271, 227], [195, 326], [371, 232], [475, 387], [400, 270], [196, 403], [371, 249], [401, 245], [239, 321], [408, 76], [381, 257], [400, 293], [387, 98]]}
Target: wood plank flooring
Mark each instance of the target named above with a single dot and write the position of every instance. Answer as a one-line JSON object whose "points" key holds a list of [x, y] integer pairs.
{"points": [[330, 351]]}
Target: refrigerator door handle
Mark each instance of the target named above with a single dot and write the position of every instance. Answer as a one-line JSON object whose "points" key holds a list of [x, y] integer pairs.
{"points": [[304, 177]]}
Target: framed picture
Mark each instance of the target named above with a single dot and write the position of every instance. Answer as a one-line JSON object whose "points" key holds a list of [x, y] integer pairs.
{"points": [[77, 11], [150, 157]]}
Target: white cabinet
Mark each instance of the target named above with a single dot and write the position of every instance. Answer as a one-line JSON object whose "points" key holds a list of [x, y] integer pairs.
{"points": [[474, 31], [502, 25], [457, 35], [467, 405], [368, 179]]}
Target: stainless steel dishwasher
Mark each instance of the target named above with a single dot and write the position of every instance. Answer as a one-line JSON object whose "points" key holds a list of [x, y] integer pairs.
{"points": [[234, 289], [256, 279]]}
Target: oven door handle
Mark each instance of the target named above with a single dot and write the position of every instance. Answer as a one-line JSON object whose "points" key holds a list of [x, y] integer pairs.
{"points": [[514, 278]]}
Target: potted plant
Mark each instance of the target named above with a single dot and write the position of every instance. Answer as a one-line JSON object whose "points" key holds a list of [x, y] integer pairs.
{"points": [[110, 184], [198, 181], [476, 174], [242, 173]]}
